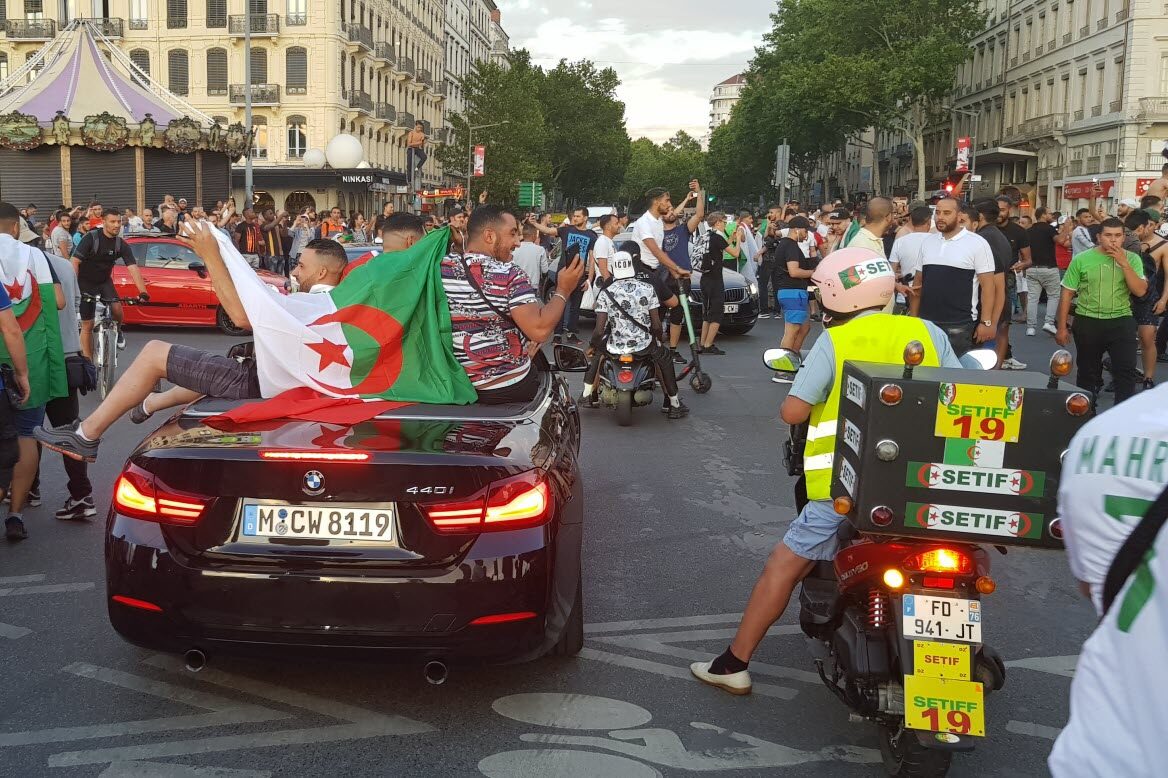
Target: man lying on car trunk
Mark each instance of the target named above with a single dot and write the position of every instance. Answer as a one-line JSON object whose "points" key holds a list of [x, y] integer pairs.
{"points": [[194, 373]]}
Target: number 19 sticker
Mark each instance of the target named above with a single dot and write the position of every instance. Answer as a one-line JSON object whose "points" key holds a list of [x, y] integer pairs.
{"points": [[979, 412]]}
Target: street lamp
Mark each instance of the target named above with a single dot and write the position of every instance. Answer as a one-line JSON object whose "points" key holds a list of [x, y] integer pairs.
{"points": [[470, 131]]}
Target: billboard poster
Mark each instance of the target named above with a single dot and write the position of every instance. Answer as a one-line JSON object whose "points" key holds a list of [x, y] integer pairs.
{"points": [[963, 146]]}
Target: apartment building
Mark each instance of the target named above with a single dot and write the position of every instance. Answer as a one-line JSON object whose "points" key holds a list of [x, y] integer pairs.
{"points": [[366, 67], [723, 98], [1063, 99], [500, 41]]}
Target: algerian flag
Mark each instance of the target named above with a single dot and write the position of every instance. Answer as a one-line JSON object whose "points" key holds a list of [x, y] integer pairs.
{"points": [[24, 271], [974, 453], [383, 333]]}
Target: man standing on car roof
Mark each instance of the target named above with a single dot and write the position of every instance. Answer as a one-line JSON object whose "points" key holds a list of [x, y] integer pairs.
{"points": [[93, 261], [193, 372]]}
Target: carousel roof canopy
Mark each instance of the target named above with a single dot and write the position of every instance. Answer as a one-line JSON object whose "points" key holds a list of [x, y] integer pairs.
{"points": [[77, 79]]}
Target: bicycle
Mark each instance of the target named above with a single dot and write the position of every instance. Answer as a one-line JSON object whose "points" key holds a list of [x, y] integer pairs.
{"points": [[106, 332]]}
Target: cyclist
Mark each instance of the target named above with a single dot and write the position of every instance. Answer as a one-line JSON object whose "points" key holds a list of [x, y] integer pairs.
{"points": [[853, 286], [94, 259]]}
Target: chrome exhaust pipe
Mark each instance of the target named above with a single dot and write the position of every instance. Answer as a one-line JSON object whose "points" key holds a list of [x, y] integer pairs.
{"points": [[195, 660], [435, 672]]}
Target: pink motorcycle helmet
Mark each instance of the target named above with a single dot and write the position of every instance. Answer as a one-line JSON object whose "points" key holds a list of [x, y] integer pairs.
{"points": [[854, 279]]}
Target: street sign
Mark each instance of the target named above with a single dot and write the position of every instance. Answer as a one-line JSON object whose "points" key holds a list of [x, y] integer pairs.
{"points": [[480, 161], [531, 194], [782, 164]]}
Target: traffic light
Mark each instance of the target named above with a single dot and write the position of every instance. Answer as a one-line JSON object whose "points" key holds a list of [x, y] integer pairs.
{"points": [[711, 199], [949, 186]]}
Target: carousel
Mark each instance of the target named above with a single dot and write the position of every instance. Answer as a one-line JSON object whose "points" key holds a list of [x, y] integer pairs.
{"points": [[80, 122]]}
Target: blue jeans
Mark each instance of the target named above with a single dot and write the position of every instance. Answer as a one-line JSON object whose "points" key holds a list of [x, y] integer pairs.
{"points": [[570, 321], [415, 158]]}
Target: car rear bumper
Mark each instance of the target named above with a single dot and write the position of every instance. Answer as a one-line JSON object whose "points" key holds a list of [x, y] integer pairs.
{"points": [[413, 614], [747, 313]]}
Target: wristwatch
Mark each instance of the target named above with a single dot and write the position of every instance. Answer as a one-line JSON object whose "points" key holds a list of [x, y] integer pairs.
{"points": [[987, 322]]}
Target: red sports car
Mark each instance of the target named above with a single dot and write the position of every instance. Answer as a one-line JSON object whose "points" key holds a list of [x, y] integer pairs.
{"points": [[180, 291]]}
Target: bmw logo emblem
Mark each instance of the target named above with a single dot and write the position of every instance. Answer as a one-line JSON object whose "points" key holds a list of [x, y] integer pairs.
{"points": [[313, 483]]}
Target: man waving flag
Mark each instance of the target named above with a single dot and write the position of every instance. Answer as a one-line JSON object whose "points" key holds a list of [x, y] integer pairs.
{"points": [[25, 273]]}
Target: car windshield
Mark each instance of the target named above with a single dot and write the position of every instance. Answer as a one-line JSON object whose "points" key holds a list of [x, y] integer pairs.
{"points": [[163, 254]]}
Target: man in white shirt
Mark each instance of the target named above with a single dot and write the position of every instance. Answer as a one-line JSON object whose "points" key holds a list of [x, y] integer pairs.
{"points": [[531, 257], [906, 256], [649, 232], [1081, 236], [1113, 471]]}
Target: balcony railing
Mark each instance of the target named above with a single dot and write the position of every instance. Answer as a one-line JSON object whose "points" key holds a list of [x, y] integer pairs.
{"points": [[1079, 115], [296, 89], [1050, 45], [359, 35], [1014, 61], [441, 88], [261, 94], [139, 24], [1097, 110], [1154, 108], [1154, 161], [217, 90], [1094, 165], [1026, 56], [424, 77], [405, 120], [110, 27], [1084, 30], [1044, 126], [1009, 133], [296, 20], [1101, 24], [977, 86], [1076, 167], [903, 150], [261, 24], [1109, 161], [998, 78], [386, 52], [386, 111], [1115, 107], [1066, 38], [1038, 50], [406, 65], [31, 30], [359, 101], [1122, 14]]}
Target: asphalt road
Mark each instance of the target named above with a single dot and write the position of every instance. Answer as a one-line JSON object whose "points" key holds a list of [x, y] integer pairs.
{"points": [[681, 516]]}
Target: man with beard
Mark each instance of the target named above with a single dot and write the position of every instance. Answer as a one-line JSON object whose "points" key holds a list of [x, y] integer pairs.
{"points": [[1019, 260], [677, 234]]}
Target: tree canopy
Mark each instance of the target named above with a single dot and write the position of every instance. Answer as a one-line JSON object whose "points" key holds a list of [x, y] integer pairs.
{"points": [[672, 164]]}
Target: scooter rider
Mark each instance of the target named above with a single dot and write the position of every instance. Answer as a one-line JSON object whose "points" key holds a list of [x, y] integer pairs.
{"points": [[635, 323], [853, 286]]}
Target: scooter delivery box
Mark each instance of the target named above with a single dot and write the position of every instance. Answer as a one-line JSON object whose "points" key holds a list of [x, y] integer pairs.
{"points": [[954, 454]]}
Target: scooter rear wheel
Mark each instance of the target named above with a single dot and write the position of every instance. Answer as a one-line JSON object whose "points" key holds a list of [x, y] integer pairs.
{"points": [[905, 757], [624, 408], [701, 382]]}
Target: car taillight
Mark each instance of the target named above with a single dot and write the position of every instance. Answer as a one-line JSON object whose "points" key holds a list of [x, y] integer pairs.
{"points": [[314, 456], [940, 560], [138, 494], [513, 503]]}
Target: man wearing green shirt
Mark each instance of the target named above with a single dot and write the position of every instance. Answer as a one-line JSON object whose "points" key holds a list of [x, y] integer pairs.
{"points": [[1105, 279]]}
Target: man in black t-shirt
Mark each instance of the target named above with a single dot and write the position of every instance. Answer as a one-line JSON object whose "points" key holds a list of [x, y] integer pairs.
{"points": [[984, 217], [93, 260], [1043, 273], [792, 273], [1019, 240], [712, 285]]}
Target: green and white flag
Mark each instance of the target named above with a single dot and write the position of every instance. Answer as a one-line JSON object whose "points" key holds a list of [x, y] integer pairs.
{"points": [[25, 273]]}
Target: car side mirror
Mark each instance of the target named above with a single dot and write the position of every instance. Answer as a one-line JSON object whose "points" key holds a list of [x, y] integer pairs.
{"points": [[198, 267], [569, 359]]}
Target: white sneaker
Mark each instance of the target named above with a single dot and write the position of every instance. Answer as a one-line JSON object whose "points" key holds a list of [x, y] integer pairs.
{"points": [[1029, 330], [1048, 327], [1013, 364], [782, 379], [735, 683]]}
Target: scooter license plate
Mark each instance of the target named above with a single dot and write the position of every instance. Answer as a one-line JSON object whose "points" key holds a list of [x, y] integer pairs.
{"points": [[937, 705], [941, 618], [730, 308]]}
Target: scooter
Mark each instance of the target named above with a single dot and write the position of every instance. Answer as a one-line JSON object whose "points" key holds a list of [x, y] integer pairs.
{"points": [[699, 381], [625, 381]]}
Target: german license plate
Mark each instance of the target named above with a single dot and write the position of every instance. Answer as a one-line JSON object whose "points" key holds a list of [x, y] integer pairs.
{"points": [[730, 308], [354, 523], [937, 705], [941, 618]]}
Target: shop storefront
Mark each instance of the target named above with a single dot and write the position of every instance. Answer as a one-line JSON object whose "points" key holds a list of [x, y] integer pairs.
{"points": [[294, 189]]}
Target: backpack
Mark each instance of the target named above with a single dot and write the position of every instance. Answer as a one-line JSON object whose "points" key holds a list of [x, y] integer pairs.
{"points": [[699, 248]]}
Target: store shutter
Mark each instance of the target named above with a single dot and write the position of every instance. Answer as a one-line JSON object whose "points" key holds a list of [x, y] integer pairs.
{"points": [[31, 177], [104, 176], [216, 178], [168, 173]]}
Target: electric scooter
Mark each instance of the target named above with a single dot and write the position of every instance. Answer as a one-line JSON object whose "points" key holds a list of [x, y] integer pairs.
{"points": [[700, 381]]}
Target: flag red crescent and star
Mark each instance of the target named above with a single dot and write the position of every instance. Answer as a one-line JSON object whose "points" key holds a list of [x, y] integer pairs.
{"points": [[33, 310], [379, 325]]}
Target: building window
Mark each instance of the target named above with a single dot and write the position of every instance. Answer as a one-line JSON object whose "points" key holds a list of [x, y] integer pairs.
{"points": [[34, 9], [216, 13], [178, 72], [297, 137], [217, 71], [141, 60], [260, 149], [1164, 73], [139, 13], [296, 70], [297, 13], [3, 65], [176, 15], [259, 65]]}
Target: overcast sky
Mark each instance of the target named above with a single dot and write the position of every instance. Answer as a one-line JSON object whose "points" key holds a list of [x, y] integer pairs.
{"points": [[669, 54]]}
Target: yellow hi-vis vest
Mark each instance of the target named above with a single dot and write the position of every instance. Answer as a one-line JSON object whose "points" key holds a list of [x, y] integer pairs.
{"points": [[876, 337]]}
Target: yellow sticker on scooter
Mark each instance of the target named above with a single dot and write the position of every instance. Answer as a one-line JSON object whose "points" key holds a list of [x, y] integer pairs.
{"points": [[977, 412], [937, 705], [942, 660]]}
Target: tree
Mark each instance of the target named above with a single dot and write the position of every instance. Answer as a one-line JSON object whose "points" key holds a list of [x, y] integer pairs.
{"points": [[671, 165], [517, 147], [889, 65], [587, 142]]}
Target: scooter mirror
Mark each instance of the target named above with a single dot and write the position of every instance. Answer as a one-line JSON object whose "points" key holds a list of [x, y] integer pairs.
{"points": [[980, 359], [782, 360], [569, 359]]}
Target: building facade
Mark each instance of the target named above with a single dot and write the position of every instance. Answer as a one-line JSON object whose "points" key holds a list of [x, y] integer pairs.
{"points": [[1063, 100], [723, 98], [500, 41], [457, 34], [365, 67]]}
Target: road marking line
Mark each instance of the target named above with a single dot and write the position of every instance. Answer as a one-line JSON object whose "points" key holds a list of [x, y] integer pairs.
{"points": [[714, 634], [1032, 729], [20, 579], [166, 691], [671, 671], [169, 770], [683, 621], [1055, 665], [645, 643], [47, 589], [285, 737], [12, 632]]}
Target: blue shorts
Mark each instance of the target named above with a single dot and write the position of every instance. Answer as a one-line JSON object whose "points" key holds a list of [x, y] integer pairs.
{"points": [[812, 535], [793, 302], [27, 420]]}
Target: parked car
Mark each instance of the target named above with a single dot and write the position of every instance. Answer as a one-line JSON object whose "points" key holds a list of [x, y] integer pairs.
{"points": [[181, 294]]}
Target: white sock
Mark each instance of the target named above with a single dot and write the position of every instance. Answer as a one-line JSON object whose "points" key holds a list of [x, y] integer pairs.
{"points": [[587, 393], [81, 432], [675, 401]]}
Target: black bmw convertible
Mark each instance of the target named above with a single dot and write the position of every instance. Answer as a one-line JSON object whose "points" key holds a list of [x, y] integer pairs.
{"points": [[431, 532]]}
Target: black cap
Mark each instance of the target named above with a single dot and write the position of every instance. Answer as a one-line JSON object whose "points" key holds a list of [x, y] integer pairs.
{"points": [[799, 223], [842, 213]]}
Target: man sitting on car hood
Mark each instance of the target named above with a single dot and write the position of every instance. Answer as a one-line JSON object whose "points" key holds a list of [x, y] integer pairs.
{"points": [[193, 372]]}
